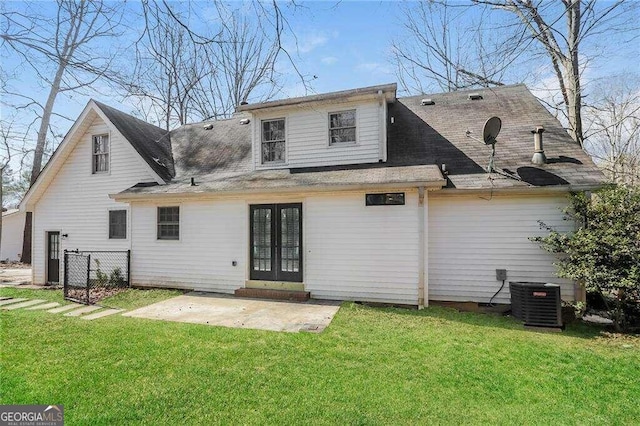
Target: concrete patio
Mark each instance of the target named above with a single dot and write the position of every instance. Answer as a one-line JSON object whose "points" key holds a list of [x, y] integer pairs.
{"points": [[228, 311]]}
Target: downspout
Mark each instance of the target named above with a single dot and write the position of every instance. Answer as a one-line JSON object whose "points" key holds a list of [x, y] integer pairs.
{"points": [[421, 249]]}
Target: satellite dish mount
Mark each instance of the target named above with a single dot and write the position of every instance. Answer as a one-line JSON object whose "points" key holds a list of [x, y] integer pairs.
{"points": [[490, 132]]}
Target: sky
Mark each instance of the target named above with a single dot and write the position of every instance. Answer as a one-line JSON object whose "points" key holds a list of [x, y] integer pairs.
{"points": [[338, 45]]}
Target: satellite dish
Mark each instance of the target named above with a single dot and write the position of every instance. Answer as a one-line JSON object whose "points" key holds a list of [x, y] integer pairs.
{"points": [[491, 129]]}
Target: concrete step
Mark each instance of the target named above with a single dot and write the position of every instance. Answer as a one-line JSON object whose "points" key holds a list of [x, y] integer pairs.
{"points": [[265, 293], [45, 306], [65, 308], [11, 300], [23, 304], [101, 314], [81, 311]]}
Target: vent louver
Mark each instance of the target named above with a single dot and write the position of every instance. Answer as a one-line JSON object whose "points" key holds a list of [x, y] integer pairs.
{"points": [[537, 304]]}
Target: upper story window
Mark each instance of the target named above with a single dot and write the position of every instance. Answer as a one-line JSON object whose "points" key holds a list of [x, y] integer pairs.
{"points": [[342, 127], [100, 153], [273, 140], [169, 223]]}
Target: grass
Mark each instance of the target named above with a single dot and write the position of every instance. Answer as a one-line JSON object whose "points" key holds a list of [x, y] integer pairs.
{"points": [[370, 366]]}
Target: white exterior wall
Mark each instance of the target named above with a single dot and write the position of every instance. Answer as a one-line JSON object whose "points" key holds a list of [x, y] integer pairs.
{"points": [[213, 234], [469, 238], [307, 135], [351, 252], [12, 232], [77, 202]]}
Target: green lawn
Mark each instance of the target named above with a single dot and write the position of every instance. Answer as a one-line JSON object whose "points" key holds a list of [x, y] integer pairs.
{"points": [[370, 366]]}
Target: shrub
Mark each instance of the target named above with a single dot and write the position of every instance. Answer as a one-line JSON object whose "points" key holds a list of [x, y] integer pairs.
{"points": [[603, 254], [116, 279]]}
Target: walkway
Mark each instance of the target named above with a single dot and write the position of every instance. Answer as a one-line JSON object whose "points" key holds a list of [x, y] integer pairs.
{"points": [[91, 312]]}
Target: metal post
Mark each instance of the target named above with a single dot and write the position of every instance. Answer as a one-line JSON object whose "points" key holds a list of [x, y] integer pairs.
{"points": [[88, 277], [129, 268], [66, 274]]}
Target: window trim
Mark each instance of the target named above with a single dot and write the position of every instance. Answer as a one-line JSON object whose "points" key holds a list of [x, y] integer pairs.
{"points": [[261, 141], [179, 223], [355, 127], [126, 224], [93, 154]]}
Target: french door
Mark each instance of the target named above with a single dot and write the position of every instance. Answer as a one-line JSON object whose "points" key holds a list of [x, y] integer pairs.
{"points": [[276, 242]]}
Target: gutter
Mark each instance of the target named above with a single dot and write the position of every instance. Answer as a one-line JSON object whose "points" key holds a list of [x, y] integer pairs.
{"points": [[430, 185], [556, 189]]}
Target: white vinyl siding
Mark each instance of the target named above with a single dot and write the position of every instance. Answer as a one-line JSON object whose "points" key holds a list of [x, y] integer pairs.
{"points": [[358, 252], [470, 237], [12, 231], [351, 251], [212, 236], [307, 136], [77, 203]]}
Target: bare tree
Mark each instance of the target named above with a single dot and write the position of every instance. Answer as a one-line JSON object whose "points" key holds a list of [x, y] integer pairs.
{"points": [[5, 160], [522, 31], [613, 127], [66, 53], [191, 69]]}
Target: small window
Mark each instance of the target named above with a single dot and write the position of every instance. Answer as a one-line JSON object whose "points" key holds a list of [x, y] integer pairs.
{"points": [[168, 223], [100, 153], [388, 199], [117, 224], [342, 127], [273, 141]]}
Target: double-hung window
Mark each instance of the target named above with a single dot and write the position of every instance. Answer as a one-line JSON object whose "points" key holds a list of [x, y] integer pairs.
{"points": [[168, 223], [273, 141], [100, 153], [342, 127], [117, 224]]}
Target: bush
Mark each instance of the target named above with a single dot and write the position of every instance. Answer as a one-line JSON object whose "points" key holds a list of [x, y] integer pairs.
{"points": [[604, 253]]}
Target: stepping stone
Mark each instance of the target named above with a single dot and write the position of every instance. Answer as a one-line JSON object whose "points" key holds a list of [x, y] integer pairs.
{"points": [[8, 301], [64, 308], [23, 304], [45, 306], [102, 314], [81, 311]]}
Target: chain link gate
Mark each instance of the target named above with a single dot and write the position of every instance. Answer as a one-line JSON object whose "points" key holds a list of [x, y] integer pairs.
{"points": [[90, 276]]}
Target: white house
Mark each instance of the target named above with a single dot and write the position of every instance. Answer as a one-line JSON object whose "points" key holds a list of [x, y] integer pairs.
{"points": [[12, 229], [352, 195]]}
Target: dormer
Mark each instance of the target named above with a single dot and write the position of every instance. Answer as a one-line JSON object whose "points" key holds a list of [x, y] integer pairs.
{"points": [[338, 128]]}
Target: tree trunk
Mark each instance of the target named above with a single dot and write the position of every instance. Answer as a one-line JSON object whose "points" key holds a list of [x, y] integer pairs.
{"points": [[44, 123], [572, 72], [39, 154]]}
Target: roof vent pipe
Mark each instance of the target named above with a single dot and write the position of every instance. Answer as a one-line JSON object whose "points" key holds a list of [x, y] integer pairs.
{"points": [[538, 156]]}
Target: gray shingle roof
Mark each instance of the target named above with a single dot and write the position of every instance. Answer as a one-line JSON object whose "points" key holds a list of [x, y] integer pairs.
{"points": [[151, 142], [436, 134], [420, 139]]}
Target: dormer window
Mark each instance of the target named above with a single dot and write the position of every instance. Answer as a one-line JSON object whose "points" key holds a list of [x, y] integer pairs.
{"points": [[273, 141], [342, 127], [100, 153]]}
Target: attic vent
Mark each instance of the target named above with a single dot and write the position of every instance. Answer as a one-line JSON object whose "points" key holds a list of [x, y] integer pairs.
{"points": [[427, 101], [160, 163], [208, 126], [245, 121], [475, 96]]}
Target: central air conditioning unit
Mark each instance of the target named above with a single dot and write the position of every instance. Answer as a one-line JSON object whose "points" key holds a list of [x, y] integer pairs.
{"points": [[537, 304]]}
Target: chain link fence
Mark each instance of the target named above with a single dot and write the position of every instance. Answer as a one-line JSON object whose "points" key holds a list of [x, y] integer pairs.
{"points": [[90, 276]]}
